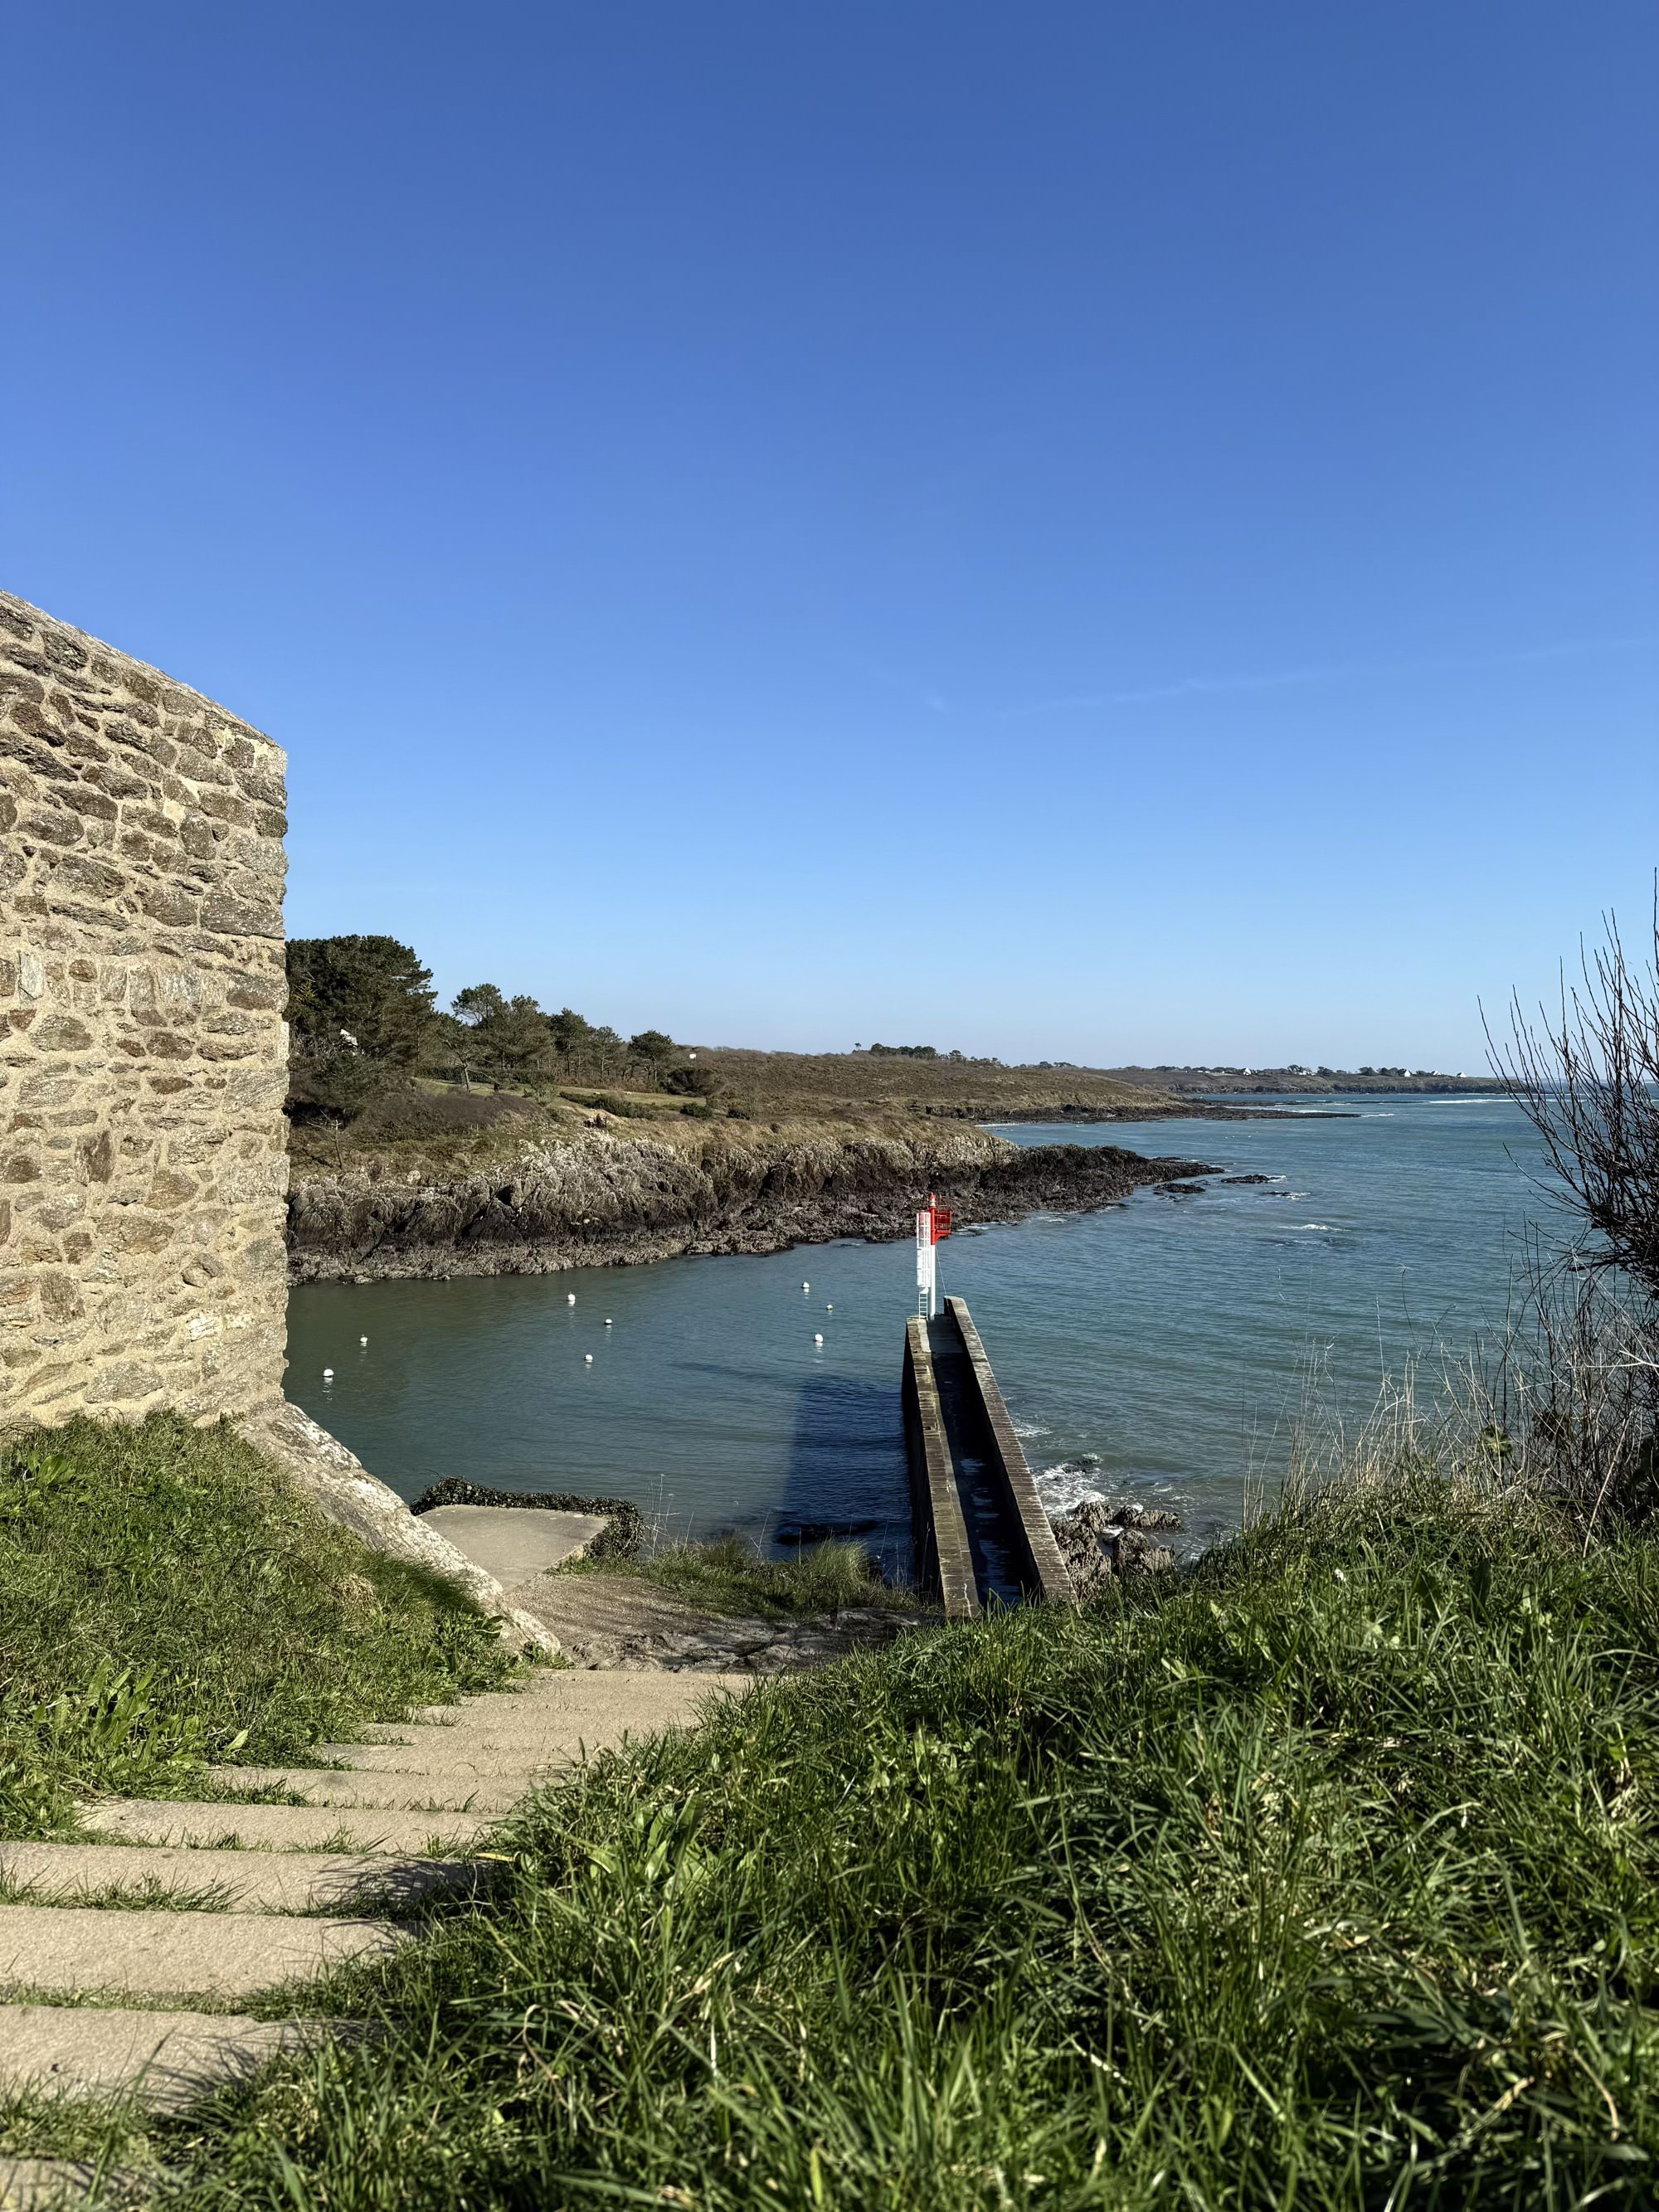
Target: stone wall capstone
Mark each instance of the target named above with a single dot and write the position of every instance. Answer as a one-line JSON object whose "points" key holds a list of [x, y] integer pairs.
{"points": [[142, 1049]]}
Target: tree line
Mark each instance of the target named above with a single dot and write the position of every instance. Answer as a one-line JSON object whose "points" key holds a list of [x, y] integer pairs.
{"points": [[363, 1017]]}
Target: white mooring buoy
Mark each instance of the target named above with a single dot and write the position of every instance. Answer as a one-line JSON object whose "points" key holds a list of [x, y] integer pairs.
{"points": [[570, 1297], [363, 1341], [607, 1320], [828, 1309], [328, 1374], [588, 1357], [806, 1287], [818, 1339]]}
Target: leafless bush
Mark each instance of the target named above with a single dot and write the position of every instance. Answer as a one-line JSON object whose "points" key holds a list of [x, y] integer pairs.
{"points": [[1579, 1383], [1577, 1387], [1587, 1077], [1562, 1406]]}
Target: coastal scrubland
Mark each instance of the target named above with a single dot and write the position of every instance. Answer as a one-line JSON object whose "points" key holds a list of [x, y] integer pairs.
{"points": [[1046, 1090], [167, 1601], [973, 1090], [1200, 1083], [497, 1138], [367, 1027]]}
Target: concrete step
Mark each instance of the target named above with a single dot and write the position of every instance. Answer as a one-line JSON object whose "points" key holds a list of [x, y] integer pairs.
{"points": [[405, 1793], [245, 1881], [280, 1827], [635, 1698], [165, 2060], [69, 1950], [558, 1735], [457, 1752], [37, 2185]]}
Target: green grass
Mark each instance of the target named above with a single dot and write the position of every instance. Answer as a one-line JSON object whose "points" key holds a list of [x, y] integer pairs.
{"points": [[165, 1601], [1324, 1877], [723, 1574]]}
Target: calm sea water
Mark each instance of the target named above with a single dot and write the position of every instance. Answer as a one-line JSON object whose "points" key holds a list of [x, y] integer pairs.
{"points": [[1159, 1348]]}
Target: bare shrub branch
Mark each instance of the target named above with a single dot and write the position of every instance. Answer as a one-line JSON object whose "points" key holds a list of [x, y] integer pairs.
{"points": [[1587, 1077]]}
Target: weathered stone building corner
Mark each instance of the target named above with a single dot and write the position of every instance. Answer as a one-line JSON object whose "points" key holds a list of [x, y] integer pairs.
{"points": [[142, 1049]]}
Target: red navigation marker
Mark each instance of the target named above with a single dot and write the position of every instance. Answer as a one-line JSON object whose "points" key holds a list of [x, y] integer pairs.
{"points": [[932, 1222]]}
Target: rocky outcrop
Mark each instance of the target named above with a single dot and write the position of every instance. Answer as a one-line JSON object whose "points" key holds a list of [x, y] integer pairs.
{"points": [[599, 1197], [1102, 1543]]}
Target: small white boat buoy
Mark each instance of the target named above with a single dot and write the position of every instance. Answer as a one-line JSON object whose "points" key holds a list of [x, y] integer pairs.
{"points": [[818, 1339], [570, 1297], [806, 1287], [328, 1374], [607, 1320], [828, 1309], [362, 1340], [588, 1357]]}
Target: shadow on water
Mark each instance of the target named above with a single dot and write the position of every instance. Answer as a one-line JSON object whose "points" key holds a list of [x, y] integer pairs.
{"points": [[845, 1475]]}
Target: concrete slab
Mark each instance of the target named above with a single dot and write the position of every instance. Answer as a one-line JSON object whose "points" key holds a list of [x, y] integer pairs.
{"points": [[165, 2060], [615, 1615], [585, 1713], [563, 1742], [280, 1828], [439, 1792], [460, 1755], [245, 1882], [34, 2185], [513, 1542], [610, 1698], [70, 1950]]}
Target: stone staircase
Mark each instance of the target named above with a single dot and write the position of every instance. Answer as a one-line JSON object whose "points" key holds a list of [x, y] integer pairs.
{"points": [[117, 1949]]}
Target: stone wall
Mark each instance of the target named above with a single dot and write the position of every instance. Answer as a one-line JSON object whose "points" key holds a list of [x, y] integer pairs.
{"points": [[142, 1049]]}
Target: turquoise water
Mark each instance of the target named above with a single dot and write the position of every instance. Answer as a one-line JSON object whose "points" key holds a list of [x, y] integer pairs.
{"points": [[1158, 1348]]}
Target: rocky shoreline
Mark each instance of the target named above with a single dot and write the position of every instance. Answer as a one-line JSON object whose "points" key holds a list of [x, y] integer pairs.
{"points": [[601, 1198]]}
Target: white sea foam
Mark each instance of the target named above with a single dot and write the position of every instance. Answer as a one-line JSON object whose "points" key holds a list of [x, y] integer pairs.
{"points": [[1317, 1224], [1026, 1429], [1071, 1482]]}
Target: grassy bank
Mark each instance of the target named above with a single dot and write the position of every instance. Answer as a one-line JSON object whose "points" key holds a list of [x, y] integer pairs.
{"points": [[165, 1601], [1324, 1875]]}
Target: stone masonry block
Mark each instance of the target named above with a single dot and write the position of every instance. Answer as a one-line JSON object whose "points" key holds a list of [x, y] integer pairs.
{"points": [[142, 1043]]}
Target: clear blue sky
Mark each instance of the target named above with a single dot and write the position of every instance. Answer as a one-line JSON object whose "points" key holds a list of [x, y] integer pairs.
{"points": [[1100, 528]]}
